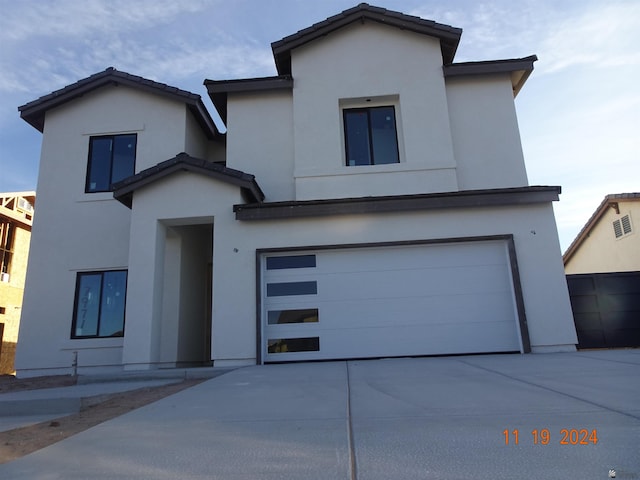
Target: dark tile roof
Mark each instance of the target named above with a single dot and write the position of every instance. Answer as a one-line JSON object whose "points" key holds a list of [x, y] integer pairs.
{"points": [[608, 201], [520, 69], [219, 89], [34, 112], [123, 190], [449, 36]]}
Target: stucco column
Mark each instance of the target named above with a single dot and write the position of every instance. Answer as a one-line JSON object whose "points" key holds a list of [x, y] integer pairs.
{"points": [[144, 293]]}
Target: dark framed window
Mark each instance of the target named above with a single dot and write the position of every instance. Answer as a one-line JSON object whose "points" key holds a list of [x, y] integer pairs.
{"points": [[99, 304], [370, 136], [291, 261], [291, 288], [283, 345], [111, 158], [280, 317]]}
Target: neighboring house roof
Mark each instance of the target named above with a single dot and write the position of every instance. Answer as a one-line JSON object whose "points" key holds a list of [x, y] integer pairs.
{"points": [[123, 190], [449, 36], [609, 201], [34, 112], [520, 69]]}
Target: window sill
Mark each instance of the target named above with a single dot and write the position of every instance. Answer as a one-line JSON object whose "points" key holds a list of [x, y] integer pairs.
{"points": [[95, 197], [92, 343]]}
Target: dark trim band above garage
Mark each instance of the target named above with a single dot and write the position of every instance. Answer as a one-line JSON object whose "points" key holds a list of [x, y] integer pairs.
{"points": [[398, 203], [523, 326]]}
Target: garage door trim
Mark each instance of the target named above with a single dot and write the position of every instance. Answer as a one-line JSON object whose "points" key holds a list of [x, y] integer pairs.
{"points": [[513, 264]]}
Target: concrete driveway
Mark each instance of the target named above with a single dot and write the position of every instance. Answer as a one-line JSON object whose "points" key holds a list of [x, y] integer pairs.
{"points": [[413, 418]]}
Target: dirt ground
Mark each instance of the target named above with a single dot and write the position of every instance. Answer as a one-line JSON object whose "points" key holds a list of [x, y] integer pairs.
{"points": [[22, 441]]}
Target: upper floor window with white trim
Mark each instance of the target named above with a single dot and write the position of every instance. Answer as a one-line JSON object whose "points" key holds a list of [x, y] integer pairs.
{"points": [[370, 135], [111, 158]]}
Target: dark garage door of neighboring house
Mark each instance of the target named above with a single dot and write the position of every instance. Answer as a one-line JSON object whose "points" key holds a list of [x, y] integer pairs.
{"points": [[606, 309]]}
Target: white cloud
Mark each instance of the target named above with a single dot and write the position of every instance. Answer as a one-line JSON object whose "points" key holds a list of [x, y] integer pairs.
{"points": [[89, 17], [603, 37]]}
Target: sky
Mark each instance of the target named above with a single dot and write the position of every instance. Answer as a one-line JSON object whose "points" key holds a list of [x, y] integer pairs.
{"points": [[579, 112]]}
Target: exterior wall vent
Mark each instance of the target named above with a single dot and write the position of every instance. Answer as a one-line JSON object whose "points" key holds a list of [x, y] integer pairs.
{"points": [[622, 226]]}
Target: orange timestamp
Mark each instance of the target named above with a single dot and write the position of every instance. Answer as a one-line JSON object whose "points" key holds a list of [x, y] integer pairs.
{"points": [[568, 436]]}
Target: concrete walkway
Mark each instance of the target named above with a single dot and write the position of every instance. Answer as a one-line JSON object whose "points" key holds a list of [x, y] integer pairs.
{"points": [[426, 418]]}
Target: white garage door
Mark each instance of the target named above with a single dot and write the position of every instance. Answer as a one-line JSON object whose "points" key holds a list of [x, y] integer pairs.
{"points": [[388, 301]]}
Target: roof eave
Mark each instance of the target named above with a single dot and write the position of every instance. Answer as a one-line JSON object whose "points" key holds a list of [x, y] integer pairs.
{"points": [[123, 191], [34, 112], [519, 70], [219, 89]]}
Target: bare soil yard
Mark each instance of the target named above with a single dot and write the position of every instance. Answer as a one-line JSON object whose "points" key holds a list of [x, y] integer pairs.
{"points": [[23, 441]]}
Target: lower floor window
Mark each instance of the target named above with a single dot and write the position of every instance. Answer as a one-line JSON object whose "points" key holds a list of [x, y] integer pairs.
{"points": [[99, 304]]}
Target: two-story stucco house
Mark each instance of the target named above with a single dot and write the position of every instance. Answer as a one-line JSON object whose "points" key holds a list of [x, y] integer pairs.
{"points": [[370, 200]]}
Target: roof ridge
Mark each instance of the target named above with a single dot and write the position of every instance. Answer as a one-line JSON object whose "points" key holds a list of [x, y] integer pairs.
{"points": [[449, 36]]}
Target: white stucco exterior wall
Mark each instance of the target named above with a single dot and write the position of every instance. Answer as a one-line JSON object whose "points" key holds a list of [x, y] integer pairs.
{"points": [[484, 127], [260, 140], [360, 62], [602, 252], [75, 231]]}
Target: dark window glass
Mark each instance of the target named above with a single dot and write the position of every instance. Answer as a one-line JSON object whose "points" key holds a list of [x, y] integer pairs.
{"points": [[291, 288], [356, 125], [294, 261], [282, 345], [279, 317], [124, 154], [370, 136], [114, 287], [99, 304], [111, 159]]}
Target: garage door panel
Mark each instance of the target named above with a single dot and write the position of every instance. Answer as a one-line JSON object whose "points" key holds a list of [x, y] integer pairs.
{"points": [[407, 257], [392, 301], [451, 309], [413, 340], [413, 283]]}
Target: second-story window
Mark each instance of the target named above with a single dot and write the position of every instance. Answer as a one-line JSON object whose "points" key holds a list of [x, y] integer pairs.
{"points": [[111, 158], [370, 136]]}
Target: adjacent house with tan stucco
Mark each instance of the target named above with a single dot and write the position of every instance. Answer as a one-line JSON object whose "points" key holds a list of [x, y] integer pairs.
{"points": [[609, 241]]}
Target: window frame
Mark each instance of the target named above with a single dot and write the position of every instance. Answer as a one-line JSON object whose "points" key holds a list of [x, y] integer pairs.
{"points": [[76, 304], [90, 159], [368, 107]]}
